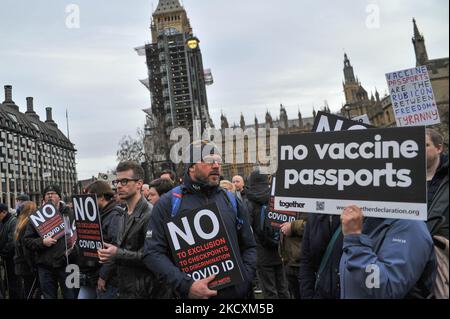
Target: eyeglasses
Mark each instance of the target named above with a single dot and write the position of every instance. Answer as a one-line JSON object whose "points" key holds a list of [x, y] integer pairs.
{"points": [[212, 160], [123, 182]]}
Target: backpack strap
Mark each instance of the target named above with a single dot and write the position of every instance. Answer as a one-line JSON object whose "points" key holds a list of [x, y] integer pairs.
{"points": [[177, 196], [327, 255], [231, 198], [262, 216]]}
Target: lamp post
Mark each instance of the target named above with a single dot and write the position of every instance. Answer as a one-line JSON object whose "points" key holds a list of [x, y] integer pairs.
{"points": [[347, 108]]}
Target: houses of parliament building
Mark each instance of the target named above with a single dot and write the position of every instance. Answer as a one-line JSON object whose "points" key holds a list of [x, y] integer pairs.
{"points": [[378, 109]]}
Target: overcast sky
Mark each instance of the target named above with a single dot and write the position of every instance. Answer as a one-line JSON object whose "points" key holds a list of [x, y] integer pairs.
{"points": [[262, 53]]}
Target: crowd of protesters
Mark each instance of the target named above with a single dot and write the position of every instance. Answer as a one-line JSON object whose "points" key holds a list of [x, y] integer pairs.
{"points": [[313, 257]]}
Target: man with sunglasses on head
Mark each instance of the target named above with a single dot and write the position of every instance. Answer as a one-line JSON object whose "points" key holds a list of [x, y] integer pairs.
{"points": [[201, 186], [135, 280]]}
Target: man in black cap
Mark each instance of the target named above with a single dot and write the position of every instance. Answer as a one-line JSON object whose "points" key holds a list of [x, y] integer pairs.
{"points": [[50, 254], [200, 186]]}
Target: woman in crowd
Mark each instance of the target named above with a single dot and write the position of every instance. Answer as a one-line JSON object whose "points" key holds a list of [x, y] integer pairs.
{"points": [[228, 186], [23, 259], [158, 188]]}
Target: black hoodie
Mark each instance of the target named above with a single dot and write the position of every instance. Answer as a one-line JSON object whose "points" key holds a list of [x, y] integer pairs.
{"points": [[258, 194]]}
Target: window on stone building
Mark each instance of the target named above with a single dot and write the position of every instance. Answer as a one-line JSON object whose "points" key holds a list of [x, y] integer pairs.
{"points": [[13, 117]]}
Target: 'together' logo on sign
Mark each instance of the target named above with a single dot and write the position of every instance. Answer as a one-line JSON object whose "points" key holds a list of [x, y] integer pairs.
{"points": [[293, 204]]}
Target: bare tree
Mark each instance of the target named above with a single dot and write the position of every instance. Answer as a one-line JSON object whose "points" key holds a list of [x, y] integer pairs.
{"points": [[132, 148]]}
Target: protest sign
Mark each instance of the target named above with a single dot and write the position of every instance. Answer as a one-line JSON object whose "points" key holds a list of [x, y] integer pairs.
{"points": [[383, 171], [326, 122], [277, 218], [88, 225], [412, 97], [48, 222], [201, 247]]}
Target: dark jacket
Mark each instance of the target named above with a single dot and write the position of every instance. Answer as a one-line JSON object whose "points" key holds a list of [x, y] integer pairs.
{"points": [[158, 256], [242, 195], [110, 216], [90, 269], [7, 228], [318, 232], [54, 256], [438, 200], [291, 246], [258, 195], [402, 252], [135, 280], [23, 259]]}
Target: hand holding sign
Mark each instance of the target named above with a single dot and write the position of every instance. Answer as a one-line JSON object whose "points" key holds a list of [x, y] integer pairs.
{"points": [[352, 221], [286, 229], [49, 241], [48, 222], [201, 248], [108, 253], [200, 290]]}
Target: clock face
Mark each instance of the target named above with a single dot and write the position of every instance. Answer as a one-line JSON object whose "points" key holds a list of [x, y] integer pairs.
{"points": [[192, 43], [170, 31]]}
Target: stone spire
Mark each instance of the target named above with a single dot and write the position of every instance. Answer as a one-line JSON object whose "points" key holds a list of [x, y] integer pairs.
{"points": [[419, 46]]}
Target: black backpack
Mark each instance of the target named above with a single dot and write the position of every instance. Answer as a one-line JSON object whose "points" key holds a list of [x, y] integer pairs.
{"points": [[268, 236]]}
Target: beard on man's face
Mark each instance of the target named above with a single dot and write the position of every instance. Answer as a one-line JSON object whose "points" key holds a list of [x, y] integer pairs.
{"points": [[212, 179]]}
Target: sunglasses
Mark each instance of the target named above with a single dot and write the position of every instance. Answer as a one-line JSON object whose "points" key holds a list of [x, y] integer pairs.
{"points": [[123, 182]]}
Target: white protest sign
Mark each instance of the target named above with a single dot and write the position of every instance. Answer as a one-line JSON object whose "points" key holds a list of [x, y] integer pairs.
{"points": [[412, 97]]}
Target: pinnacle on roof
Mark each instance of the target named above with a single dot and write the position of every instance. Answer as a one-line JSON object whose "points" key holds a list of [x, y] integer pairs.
{"points": [[166, 6], [417, 34]]}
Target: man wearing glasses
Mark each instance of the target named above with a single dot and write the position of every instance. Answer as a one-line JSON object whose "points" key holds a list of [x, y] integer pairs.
{"points": [[200, 186], [135, 280]]}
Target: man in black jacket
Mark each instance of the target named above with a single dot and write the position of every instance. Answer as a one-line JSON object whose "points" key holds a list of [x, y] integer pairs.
{"points": [[7, 228], [51, 256], [135, 280], [241, 189], [200, 186]]}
